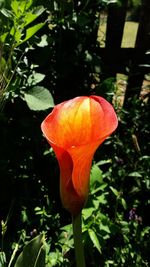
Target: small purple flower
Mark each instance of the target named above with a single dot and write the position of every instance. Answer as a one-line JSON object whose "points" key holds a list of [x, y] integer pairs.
{"points": [[134, 217], [119, 161], [33, 233], [132, 214]]}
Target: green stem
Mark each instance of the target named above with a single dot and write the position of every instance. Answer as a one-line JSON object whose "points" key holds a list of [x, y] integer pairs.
{"points": [[13, 255], [77, 234]]}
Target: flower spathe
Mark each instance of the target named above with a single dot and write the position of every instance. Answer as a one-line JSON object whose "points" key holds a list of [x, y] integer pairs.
{"points": [[75, 129]]}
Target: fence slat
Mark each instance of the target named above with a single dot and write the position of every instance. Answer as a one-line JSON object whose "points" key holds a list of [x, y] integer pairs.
{"points": [[143, 34], [114, 32], [115, 24], [136, 74], [115, 58]]}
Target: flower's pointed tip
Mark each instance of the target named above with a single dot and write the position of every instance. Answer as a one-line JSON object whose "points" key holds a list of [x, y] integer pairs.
{"points": [[110, 116]]}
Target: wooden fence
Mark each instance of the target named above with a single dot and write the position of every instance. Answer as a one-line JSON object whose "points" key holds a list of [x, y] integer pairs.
{"points": [[117, 58]]}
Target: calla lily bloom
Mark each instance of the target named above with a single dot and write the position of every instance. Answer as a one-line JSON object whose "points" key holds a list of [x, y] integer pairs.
{"points": [[75, 129]]}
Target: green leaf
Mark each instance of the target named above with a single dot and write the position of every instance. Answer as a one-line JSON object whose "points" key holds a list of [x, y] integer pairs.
{"points": [[22, 6], [3, 37], [96, 204], [2, 259], [7, 13], [103, 162], [104, 228], [19, 7], [94, 239], [146, 231], [16, 33], [38, 10], [116, 193], [87, 213], [99, 188], [31, 16], [67, 228], [17, 36], [96, 175], [102, 199], [135, 174], [39, 98], [124, 204], [3, 65], [15, 7], [31, 31], [28, 4], [33, 254], [35, 78], [43, 41]]}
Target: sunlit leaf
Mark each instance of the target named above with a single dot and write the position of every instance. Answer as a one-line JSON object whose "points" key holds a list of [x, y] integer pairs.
{"points": [[43, 41], [104, 228], [7, 13], [15, 7], [31, 16], [103, 162], [135, 174], [94, 239], [39, 98], [31, 31], [28, 4], [96, 175], [102, 199], [22, 6], [38, 10], [87, 213], [2, 259], [145, 231], [116, 193], [18, 35], [35, 78], [124, 204], [3, 37]]}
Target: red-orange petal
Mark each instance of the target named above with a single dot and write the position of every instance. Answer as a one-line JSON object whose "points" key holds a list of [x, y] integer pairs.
{"points": [[75, 129]]}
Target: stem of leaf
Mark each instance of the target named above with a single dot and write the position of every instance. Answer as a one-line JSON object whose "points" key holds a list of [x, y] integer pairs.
{"points": [[78, 245], [13, 254]]}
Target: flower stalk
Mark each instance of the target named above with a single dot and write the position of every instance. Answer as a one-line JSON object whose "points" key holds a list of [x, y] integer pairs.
{"points": [[78, 245]]}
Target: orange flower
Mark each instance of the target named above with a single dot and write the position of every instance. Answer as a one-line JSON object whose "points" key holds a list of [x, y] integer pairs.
{"points": [[75, 129]]}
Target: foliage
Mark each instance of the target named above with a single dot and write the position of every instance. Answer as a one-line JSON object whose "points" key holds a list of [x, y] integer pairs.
{"points": [[123, 227], [33, 254], [115, 218], [17, 76]]}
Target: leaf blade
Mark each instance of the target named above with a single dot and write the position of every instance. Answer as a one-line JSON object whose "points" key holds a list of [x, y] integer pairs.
{"points": [[33, 254], [39, 98], [94, 239]]}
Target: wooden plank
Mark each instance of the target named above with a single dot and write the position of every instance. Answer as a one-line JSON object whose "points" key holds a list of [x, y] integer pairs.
{"points": [[115, 62], [143, 34], [136, 75], [115, 24], [114, 32]]}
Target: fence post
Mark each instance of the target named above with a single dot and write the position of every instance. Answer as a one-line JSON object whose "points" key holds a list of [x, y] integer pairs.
{"points": [[143, 35], [136, 75], [114, 32], [115, 24]]}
